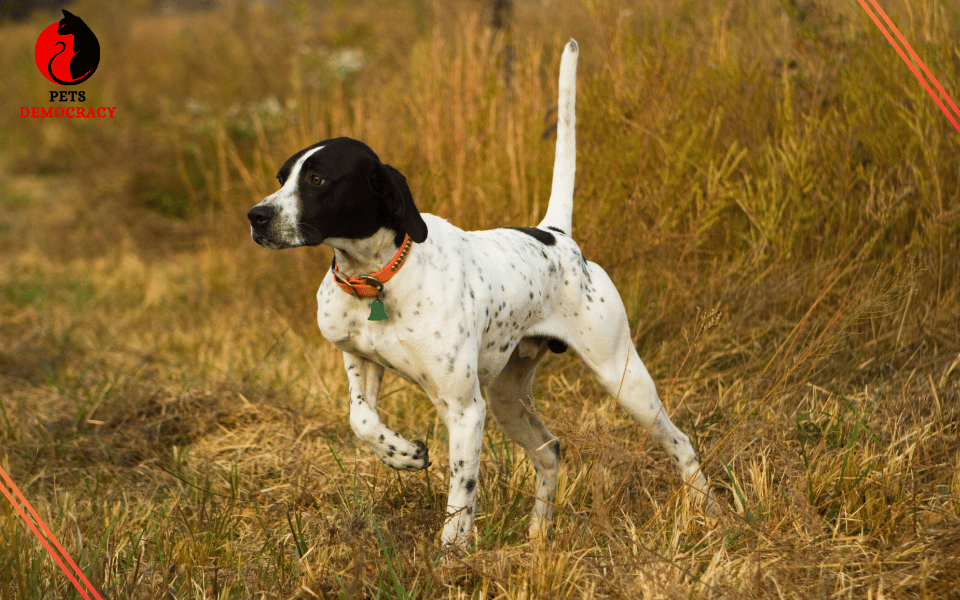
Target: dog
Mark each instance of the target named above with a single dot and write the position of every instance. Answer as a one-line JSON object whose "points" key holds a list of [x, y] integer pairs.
{"points": [[456, 312]]}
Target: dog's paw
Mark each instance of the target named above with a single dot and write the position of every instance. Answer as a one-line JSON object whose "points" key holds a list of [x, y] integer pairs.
{"points": [[710, 507], [412, 458], [422, 454]]}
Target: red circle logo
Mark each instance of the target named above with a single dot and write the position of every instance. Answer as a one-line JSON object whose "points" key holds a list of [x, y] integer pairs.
{"points": [[67, 52]]}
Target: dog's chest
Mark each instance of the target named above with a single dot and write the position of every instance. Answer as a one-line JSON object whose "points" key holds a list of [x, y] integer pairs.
{"points": [[403, 342], [344, 321]]}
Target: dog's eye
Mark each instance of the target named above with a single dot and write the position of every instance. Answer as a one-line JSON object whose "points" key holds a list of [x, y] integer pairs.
{"points": [[316, 180]]}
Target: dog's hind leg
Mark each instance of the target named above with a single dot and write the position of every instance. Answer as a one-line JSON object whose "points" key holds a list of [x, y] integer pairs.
{"points": [[601, 335], [510, 398]]}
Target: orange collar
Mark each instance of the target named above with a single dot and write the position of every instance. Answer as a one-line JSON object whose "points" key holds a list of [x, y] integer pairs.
{"points": [[371, 285]]}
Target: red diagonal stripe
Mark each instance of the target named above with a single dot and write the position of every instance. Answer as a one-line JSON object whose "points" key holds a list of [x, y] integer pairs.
{"points": [[916, 58], [30, 523], [910, 64]]}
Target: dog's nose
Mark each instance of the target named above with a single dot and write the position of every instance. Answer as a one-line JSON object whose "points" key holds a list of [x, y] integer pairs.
{"points": [[260, 215]]}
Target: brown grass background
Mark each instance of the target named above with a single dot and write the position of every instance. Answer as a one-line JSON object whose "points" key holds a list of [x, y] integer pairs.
{"points": [[773, 193]]}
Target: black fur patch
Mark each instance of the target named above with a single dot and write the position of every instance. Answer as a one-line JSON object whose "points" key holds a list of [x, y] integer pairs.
{"points": [[556, 346], [357, 194], [544, 237]]}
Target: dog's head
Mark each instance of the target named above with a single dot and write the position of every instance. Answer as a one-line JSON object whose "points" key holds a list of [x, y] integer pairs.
{"points": [[335, 189]]}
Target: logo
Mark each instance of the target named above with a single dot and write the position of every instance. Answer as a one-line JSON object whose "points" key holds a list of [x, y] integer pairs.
{"points": [[67, 52]]}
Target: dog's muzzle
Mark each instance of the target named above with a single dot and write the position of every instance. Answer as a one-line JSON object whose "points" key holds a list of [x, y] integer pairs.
{"points": [[262, 217]]}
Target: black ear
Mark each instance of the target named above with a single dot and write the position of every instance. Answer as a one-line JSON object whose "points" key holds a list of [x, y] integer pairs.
{"points": [[393, 186]]}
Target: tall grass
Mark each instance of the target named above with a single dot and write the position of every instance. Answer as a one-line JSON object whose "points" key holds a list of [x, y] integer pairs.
{"points": [[774, 195]]}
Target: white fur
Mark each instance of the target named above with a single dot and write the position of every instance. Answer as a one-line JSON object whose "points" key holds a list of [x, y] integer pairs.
{"points": [[285, 200], [560, 208]]}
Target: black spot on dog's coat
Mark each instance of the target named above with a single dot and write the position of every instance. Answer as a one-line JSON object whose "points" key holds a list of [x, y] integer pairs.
{"points": [[544, 237]]}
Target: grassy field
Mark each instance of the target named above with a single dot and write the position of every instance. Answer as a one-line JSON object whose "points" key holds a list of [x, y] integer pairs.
{"points": [[776, 197]]}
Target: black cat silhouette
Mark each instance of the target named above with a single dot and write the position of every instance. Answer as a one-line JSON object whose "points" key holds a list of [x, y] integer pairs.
{"points": [[86, 49]]}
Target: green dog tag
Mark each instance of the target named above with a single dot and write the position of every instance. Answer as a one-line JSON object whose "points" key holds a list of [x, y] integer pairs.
{"points": [[377, 312]]}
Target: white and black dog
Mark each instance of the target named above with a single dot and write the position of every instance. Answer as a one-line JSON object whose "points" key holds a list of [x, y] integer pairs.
{"points": [[455, 312]]}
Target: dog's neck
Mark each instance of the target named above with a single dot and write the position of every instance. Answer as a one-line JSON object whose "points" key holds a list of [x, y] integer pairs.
{"points": [[364, 256]]}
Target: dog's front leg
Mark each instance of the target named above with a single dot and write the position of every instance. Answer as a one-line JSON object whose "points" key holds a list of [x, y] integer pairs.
{"points": [[364, 377], [465, 419]]}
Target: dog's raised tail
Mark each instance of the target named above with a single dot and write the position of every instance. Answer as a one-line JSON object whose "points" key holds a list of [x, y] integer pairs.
{"points": [[560, 209]]}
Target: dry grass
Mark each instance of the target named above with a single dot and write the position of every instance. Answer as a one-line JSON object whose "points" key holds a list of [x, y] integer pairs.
{"points": [[774, 195]]}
